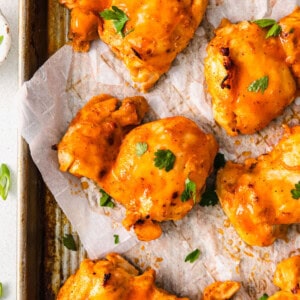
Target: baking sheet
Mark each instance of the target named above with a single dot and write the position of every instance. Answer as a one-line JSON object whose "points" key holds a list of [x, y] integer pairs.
{"points": [[230, 256]]}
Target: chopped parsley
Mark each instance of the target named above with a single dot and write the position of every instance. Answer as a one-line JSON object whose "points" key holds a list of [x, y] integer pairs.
{"points": [[5, 181], [164, 159], [189, 191], [193, 256], [116, 239], [105, 199], [118, 17], [260, 84], [141, 148], [1, 39], [209, 197], [296, 192], [264, 297], [275, 29], [69, 242]]}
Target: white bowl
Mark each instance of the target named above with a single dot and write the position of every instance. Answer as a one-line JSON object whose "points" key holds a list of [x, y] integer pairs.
{"points": [[5, 38]]}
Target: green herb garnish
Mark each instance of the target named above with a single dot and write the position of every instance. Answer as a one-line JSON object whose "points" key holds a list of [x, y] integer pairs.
{"points": [[260, 84], [118, 17], [1, 290], [263, 23], [189, 191], [105, 199], [219, 161], [275, 27], [264, 297], [1, 39], [209, 197], [5, 181], [164, 159], [116, 239], [296, 192], [69, 242], [193, 256], [141, 148]]}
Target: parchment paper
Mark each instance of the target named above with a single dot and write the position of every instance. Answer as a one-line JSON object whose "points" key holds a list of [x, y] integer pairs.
{"points": [[67, 80]]}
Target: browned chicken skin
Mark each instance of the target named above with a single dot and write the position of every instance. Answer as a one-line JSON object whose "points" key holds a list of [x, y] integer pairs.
{"points": [[237, 56], [92, 142], [112, 279], [151, 194], [156, 31], [290, 39], [95, 146], [221, 290], [257, 196]]}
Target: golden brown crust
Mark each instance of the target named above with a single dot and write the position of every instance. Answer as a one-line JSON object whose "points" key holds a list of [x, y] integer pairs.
{"points": [[154, 34], [256, 195], [112, 279], [237, 56], [221, 290]]}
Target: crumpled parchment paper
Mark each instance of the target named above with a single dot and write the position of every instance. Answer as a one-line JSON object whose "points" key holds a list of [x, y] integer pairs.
{"points": [[68, 80]]}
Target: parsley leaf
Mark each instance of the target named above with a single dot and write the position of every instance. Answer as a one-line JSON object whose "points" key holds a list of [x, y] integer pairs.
{"points": [[193, 256], [5, 181], [296, 192], [69, 242], [264, 22], [117, 239], [273, 31], [189, 191], [1, 39], [264, 297], [105, 199], [141, 148], [209, 197], [164, 159], [260, 84], [118, 17]]}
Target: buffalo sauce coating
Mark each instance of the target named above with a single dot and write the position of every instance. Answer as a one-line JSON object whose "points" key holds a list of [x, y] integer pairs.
{"points": [[290, 39], [155, 32], [239, 55], [112, 278], [91, 144], [151, 194], [257, 195], [287, 278]]}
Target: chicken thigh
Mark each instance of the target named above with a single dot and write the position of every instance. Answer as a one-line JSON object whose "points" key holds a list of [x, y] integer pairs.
{"points": [[287, 278], [290, 39], [146, 35], [112, 278], [261, 196], [247, 77], [157, 171], [164, 182], [91, 145]]}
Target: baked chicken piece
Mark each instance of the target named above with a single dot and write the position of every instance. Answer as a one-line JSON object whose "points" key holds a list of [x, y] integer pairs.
{"points": [[91, 145], [112, 278], [146, 35], [260, 197], [221, 290], [157, 170], [247, 77], [290, 39], [163, 181], [287, 278]]}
